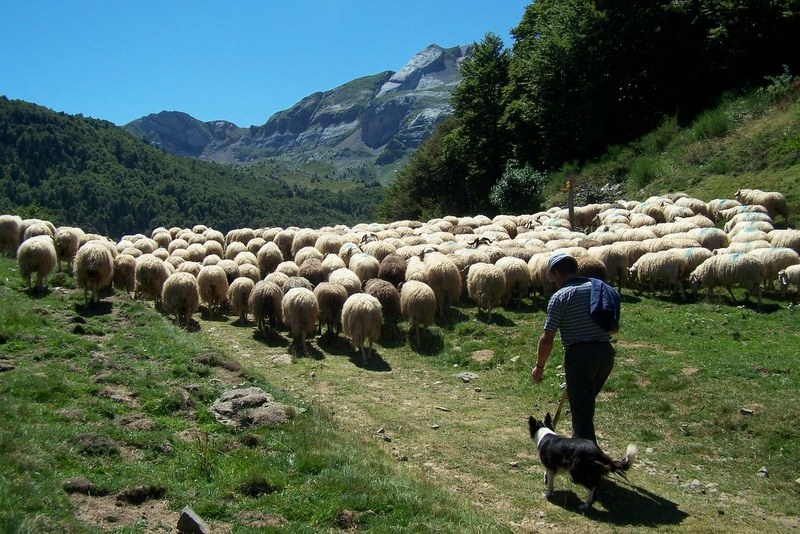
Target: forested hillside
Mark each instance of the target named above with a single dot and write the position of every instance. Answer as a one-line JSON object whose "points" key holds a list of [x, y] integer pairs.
{"points": [[583, 80], [92, 174]]}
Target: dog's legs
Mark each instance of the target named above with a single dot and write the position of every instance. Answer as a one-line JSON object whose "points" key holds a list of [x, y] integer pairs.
{"points": [[587, 504], [549, 475]]}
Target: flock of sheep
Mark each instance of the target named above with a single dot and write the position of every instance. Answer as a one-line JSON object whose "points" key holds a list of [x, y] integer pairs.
{"points": [[355, 279]]}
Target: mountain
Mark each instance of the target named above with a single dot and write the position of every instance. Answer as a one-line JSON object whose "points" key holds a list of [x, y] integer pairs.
{"points": [[380, 118]]}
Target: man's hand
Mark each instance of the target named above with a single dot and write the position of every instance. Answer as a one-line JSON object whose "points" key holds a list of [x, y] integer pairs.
{"points": [[536, 374]]}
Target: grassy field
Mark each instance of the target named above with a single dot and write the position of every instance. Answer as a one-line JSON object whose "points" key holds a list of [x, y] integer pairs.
{"points": [[114, 399]]}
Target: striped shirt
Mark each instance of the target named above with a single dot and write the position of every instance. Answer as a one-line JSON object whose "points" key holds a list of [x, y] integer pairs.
{"points": [[568, 313]]}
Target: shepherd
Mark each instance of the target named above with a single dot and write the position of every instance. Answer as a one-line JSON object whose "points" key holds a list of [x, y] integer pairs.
{"points": [[586, 313]]}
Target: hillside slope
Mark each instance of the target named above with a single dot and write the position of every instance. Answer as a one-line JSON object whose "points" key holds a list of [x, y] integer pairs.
{"points": [[92, 174]]}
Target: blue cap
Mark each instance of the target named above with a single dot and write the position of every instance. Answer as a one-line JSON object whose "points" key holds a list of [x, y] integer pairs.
{"points": [[557, 258]]}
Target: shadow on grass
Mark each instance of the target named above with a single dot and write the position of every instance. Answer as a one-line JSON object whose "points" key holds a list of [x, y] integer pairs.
{"points": [[625, 506], [93, 309], [270, 339], [430, 343], [375, 362]]}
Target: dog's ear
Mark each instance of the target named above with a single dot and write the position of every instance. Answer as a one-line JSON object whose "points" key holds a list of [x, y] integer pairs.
{"points": [[533, 425], [548, 421]]}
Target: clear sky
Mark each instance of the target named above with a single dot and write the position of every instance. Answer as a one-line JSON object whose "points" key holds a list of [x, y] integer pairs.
{"points": [[240, 61]]}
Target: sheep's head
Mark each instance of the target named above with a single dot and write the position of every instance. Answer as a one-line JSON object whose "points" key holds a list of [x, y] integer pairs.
{"points": [[783, 280]]}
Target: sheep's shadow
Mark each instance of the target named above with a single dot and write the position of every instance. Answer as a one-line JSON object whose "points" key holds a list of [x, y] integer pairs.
{"points": [[391, 336], [93, 309], [430, 343], [451, 317], [497, 319], [270, 339], [375, 362], [624, 505]]}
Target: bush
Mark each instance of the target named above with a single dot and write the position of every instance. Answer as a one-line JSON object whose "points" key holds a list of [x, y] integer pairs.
{"points": [[712, 124], [519, 190]]}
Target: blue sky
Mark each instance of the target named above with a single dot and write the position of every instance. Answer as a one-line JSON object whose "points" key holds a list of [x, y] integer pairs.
{"points": [[237, 60]]}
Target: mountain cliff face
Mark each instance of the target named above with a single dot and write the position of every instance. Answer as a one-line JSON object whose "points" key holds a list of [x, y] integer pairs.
{"points": [[380, 118]]}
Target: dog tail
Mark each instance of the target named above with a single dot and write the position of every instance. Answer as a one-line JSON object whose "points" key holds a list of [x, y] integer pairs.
{"points": [[620, 466]]}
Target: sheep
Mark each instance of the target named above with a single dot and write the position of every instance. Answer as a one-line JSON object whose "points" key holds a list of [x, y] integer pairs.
{"points": [[250, 271], [330, 298], [389, 297], [268, 257], [255, 244], [362, 317], [277, 278], [518, 279], [265, 305], [364, 265], [213, 283], [667, 266], [125, 273], [312, 271], [616, 262], [36, 255], [161, 236], [304, 238], [37, 227], [775, 259], [347, 251], [230, 268], [9, 234], [329, 243], [174, 245], [211, 259], [729, 213], [592, 266], [330, 263], [785, 238], [94, 269], [728, 270], [288, 268], [233, 249], [238, 296], [296, 281], [307, 253], [181, 295], [486, 285], [300, 311], [379, 249], [195, 252], [415, 270], [151, 273], [347, 278], [716, 206], [284, 240], [67, 241], [747, 217], [789, 275], [710, 238], [444, 278], [418, 305], [772, 200], [213, 248]]}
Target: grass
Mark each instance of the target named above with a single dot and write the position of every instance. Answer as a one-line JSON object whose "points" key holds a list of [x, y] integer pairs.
{"points": [[117, 395]]}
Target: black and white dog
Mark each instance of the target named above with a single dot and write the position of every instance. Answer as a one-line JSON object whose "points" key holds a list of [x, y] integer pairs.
{"points": [[582, 458]]}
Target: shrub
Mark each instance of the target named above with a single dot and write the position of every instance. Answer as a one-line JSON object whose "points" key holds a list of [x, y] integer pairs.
{"points": [[519, 190]]}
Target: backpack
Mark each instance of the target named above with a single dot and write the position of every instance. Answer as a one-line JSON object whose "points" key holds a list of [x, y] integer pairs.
{"points": [[604, 305]]}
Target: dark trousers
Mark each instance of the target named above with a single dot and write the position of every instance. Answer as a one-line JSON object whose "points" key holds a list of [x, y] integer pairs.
{"points": [[587, 366]]}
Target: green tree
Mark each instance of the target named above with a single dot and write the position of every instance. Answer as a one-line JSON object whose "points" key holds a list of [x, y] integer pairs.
{"points": [[479, 141], [519, 190]]}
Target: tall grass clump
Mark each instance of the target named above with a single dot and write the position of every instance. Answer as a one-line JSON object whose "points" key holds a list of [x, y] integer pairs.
{"points": [[712, 124]]}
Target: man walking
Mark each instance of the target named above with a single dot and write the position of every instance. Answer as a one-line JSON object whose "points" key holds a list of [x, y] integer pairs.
{"points": [[588, 354]]}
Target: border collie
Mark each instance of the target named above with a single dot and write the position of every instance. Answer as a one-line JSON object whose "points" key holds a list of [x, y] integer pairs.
{"points": [[582, 458]]}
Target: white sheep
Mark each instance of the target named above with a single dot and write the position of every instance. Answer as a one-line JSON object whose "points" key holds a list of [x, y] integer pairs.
{"points": [[486, 285], [151, 273], [716, 206], [94, 269], [362, 317], [67, 241], [785, 238], [238, 296], [269, 257], [329, 243], [36, 255], [728, 270], [789, 275], [444, 278], [418, 305], [668, 266], [330, 298], [364, 265], [125, 273], [304, 238], [307, 253], [518, 279], [265, 305], [772, 200], [389, 297], [300, 312], [213, 285], [181, 295], [347, 278], [616, 261], [9, 234], [775, 259]]}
